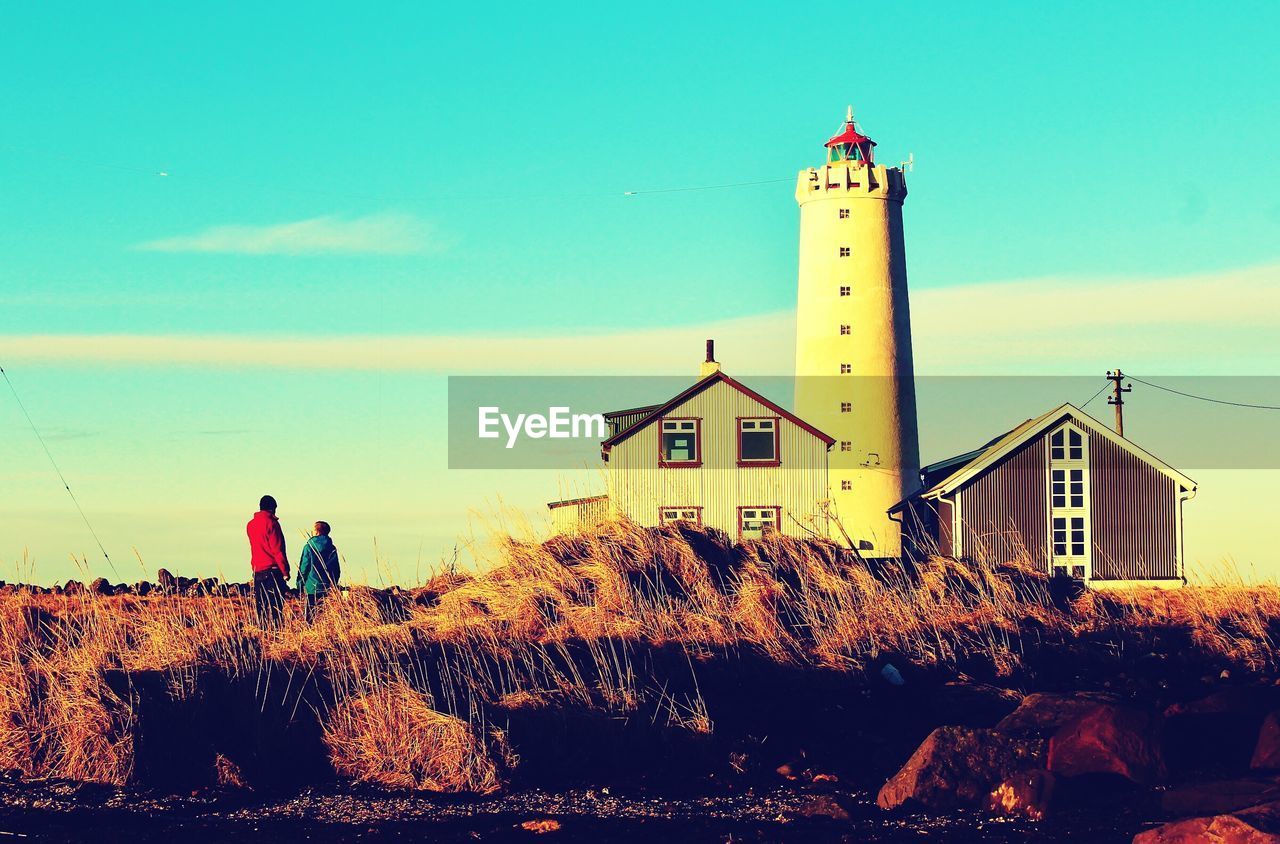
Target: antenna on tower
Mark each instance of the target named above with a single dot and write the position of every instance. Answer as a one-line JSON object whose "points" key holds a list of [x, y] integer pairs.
{"points": [[909, 165]]}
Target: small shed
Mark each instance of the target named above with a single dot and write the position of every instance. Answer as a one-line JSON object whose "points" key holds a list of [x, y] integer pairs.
{"points": [[1062, 491]]}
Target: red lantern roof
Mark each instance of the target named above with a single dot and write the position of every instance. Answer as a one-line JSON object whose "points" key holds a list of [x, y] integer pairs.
{"points": [[850, 135]]}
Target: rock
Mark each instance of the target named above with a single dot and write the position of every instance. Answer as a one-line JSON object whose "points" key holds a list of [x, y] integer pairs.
{"points": [[1266, 749], [208, 586], [73, 587], [142, 588], [1108, 739], [1220, 731], [101, 586], [972, 704], [1023, 795], [823, 806], [959, 766], [166, 582], [1211, 798], [1257, 825], [1042, 714]]}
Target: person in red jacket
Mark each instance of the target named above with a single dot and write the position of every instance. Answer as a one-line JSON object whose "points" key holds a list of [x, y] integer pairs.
{"points": [[270, 564]]}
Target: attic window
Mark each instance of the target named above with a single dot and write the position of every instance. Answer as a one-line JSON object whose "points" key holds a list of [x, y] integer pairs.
{"points": [[844, 213], [845, 252], [844, 291], [846, 329], [846, 407], [846, 368], [1066, 444], [681, 442], [758, 442], [846, 486], [846, 445]]}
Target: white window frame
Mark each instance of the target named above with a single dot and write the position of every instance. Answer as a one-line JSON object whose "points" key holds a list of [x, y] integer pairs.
{"points": [[759, 425], [1068, 466], [757, 514], [674, 515]]}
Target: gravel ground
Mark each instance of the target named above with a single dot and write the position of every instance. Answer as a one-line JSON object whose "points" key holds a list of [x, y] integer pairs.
{"points": [[78, 812]]}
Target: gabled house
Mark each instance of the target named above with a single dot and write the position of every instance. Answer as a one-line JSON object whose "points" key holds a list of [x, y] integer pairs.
{"points": [[719, 454], [1061, 490]]}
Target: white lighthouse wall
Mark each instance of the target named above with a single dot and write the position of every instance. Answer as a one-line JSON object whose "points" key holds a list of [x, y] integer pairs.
{"points": [[880, 464]]}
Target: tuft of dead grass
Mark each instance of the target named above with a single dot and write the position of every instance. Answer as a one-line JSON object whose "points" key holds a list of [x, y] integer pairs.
{"points": [[551, 624]]}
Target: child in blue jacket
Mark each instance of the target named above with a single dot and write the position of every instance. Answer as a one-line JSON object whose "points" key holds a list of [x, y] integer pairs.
{"points": [[318, 570]]}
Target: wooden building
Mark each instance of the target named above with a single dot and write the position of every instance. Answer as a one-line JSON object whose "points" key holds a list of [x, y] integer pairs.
{"points": [[1061, 490], [719, 454]]}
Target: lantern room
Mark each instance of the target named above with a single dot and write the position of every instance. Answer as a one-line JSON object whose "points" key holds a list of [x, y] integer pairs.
{"points": [[849, 144]]}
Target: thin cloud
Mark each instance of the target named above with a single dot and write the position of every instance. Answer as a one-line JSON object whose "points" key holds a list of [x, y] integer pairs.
{"points": [[384, 234], [1203, 324]]}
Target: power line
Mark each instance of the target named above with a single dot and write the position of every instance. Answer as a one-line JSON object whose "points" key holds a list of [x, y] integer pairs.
{"points": [[61, 477], [1206, 398], [427, 197], [1094, 396]]}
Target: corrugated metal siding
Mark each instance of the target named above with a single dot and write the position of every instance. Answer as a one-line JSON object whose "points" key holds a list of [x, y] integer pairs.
{"points": [[926, 528], [1133, 510], [572, 516], [638, 487], [623, 421], [1004, 511]]}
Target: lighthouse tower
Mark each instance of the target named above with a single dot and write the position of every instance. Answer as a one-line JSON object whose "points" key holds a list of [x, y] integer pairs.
{"points": [[854, 375]]}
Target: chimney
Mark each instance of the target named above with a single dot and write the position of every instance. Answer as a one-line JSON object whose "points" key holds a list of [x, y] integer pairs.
{"points": [[709, 366]]}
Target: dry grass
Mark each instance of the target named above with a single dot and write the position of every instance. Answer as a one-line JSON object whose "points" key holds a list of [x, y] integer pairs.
{"points": [[552, 624]]}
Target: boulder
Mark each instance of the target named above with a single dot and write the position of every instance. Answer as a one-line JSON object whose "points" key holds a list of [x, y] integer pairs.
{"points": [[101, 586], [1023, 795], [1257, 825], [959, 766], [1042, 714], [166, 582], [1108, 739], [1266, 749], [142, 588], [73, 587], [1212, 798], [1218, 732], [972, 704]]}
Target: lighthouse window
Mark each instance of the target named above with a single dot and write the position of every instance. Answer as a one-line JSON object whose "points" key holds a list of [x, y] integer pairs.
{"points": [[844, 252], [844, 213], [846, 485], [846, 407], [846, 329], [844, 291], [846, 445], [846, 368]]}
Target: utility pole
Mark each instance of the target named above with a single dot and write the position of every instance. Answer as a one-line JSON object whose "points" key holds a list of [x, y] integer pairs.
{"points": [[1116, 399]]}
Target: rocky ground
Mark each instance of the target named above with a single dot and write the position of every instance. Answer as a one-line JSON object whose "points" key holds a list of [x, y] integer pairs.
{"points": [[76, 812]]}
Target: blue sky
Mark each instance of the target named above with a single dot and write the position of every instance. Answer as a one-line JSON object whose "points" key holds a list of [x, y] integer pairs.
{"points": [[417, 171]]}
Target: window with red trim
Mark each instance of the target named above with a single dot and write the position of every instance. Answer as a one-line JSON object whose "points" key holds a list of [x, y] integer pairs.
{"points": [[756, 522], [680, 442], [758, 442], [671, 515]]}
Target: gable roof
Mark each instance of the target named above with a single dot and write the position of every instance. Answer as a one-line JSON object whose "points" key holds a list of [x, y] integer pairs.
{"points": [[948, 475], [699, 386]]}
